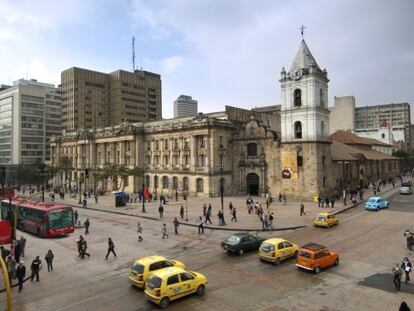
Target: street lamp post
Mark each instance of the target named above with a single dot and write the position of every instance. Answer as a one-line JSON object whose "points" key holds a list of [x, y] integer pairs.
{"points": [[143, 189], [221, 151], [80, 191], [186, 206]]}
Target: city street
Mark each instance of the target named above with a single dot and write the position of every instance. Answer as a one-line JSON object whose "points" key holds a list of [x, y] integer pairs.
{"points": [[369, 243]]}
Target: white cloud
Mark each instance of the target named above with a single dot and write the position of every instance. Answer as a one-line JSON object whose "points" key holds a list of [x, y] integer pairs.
{"points": [[171, 64]]}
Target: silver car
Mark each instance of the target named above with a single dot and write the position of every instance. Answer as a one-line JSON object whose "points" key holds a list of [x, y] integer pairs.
{"points": [[406, 188]]}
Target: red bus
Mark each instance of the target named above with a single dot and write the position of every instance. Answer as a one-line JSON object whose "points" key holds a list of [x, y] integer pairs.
{"points": [[43, 219]]}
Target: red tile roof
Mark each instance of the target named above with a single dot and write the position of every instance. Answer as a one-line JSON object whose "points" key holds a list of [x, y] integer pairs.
{"points": [[349, 138]]}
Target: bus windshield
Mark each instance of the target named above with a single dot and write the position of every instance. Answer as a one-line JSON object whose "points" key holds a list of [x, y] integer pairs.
{"points": [[60, 218]]}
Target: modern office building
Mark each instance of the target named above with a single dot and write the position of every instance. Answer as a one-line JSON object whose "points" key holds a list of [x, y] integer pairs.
{"points": [[93, 99], [369, 120], [29, 116], [185, 106]]}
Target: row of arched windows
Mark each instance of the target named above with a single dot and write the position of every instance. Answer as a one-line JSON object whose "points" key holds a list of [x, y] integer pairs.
{"points": [[165, 183], [297, 98]]}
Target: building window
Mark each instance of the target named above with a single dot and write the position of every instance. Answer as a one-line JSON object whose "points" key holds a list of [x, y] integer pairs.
{"points": [[298, 129], [165, 182], [185, 183], [382, 135], [157, 146], [186, 143], [321, 98], [156, 181], [176, 144], [200, 185], [166, 160], [203, 142], [147, 181], [166, 144], [175, 183], [186, 160], [252, 150], [322, 128], [221, 143], [297, 98]]}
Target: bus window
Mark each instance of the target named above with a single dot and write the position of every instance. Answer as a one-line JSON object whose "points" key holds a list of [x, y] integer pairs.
{"points": [[60, 218]]}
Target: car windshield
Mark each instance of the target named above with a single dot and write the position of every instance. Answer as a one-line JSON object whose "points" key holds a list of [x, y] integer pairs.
{"points": [[405, 184], [60, 218], [233, 240], [138, 268], [373, 200], [320, 218], [267, 247], [305, 254], [154, 282]]}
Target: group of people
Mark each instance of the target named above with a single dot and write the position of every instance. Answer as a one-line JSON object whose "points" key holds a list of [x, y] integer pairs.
{"points": [[405, 267], [15, 266]]}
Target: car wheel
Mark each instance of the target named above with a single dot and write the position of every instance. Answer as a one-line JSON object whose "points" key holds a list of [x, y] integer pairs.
{"points": [[277, 261], [377, 209], [200, 290], [241, 252], [336, 262], [317, 270], [164, 302], [295, 254]]}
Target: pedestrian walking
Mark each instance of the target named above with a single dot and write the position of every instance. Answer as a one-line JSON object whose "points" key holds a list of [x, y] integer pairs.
{"points": [[204, 209], [22, 244], [397, 276], [302, 209], [409, 237], [280, 197], [234, 214], [35, 267], [271, 220], [176, 195], [200, 225], [96, 198], [164, 232], [208, 214], [327, 201], [176, 224], [20, 274], [332, 201], [11, 267], [76, 215], [87, 224], [84, 203], [220, 217], [319, 200], [83, 248], [231, 205], [182, 212], [263, 220], [161, 210], [139, 231], [49, 260], [406, 267], [111, 248], [17, 251]]}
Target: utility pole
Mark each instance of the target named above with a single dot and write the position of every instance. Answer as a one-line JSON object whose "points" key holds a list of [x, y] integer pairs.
{"points": [[143, 189]]}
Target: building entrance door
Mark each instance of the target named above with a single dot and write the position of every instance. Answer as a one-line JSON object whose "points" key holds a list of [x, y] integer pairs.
{"points": [[252, 183]]}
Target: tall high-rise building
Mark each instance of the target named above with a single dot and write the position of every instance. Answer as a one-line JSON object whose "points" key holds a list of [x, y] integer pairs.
{"points": [[185, 106], [30, 114], [93, 99]]}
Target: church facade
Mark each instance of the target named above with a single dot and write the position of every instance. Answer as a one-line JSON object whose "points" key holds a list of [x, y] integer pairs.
{"points": [[250, 151]]}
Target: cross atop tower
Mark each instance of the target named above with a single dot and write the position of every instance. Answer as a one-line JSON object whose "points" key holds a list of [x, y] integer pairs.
{"points": [[302, 30]]}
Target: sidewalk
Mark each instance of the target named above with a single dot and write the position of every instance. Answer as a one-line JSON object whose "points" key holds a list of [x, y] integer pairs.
{"points": [[286, 216]]}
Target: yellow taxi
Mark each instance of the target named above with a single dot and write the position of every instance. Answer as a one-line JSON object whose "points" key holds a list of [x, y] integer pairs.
{"points": [[325, 220], [143, 267], [169, 284], [275, 250]]}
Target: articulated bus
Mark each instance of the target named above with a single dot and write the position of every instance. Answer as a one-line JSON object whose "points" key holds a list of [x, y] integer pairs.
{"points": [[43, 219]]}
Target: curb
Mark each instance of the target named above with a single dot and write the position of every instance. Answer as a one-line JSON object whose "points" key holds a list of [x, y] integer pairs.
{"points": [[187, 224], [359, 203]]}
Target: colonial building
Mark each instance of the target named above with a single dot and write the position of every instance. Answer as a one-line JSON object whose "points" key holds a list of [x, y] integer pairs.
{"points": [[286, 150]]}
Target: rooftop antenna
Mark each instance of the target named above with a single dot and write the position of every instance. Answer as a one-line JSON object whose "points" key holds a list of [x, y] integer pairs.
{"points": [[133, 54]]}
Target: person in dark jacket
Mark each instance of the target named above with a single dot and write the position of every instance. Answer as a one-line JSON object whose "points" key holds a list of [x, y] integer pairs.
{"points": [[76, 215], [111, 248], [17, 251], [182, 212], [49, 260], [161, 210], [20, 274], [87, 224], [404, 307], [35, 267], [176, 224]]}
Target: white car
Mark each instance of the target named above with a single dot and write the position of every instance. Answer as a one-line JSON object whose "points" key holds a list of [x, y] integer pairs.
{"points": [[406, 188]]}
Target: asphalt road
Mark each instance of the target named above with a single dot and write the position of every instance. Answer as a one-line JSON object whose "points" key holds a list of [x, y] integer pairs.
{"points": [[368, 243]]}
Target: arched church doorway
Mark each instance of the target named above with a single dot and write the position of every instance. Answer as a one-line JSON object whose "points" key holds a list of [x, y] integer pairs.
{"points": [[252, 183]]}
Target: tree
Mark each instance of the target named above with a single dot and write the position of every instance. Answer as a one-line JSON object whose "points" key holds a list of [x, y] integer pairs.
{"points": [[66, 168]]}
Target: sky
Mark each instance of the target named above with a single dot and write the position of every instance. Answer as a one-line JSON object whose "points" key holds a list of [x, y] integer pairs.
{"points": [[220, 52]]}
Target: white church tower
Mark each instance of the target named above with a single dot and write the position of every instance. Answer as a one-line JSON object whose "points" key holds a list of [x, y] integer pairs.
{"points": [[304, 111], [305, 143]]}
